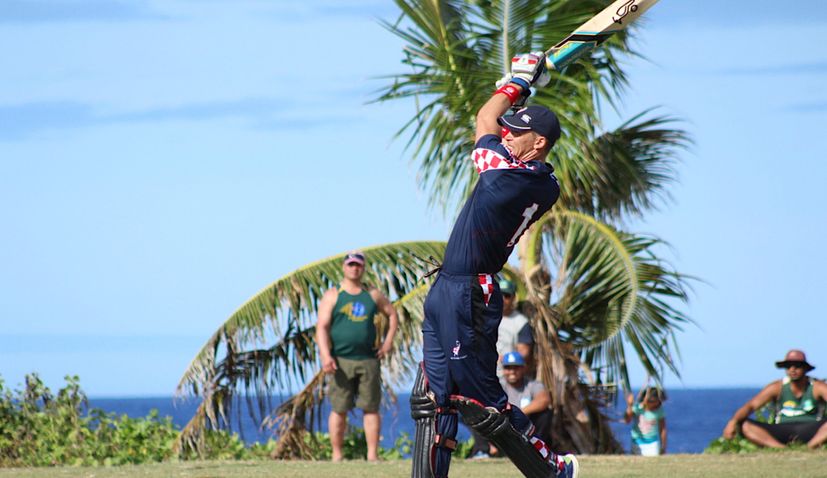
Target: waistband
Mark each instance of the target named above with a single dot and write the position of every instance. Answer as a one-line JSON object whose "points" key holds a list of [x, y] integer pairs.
{"points": [[463, 275]]}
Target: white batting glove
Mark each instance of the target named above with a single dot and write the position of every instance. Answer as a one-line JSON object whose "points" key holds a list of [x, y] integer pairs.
{"points": [[506, 79], [530, 68]]}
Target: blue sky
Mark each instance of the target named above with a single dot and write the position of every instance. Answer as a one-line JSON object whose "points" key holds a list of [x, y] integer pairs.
{"points": [[160, 162]]}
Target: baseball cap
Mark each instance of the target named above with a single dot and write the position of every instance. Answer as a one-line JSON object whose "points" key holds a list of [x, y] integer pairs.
{"points": [[355, 256], [534, 118], [507, 287], [794, 356], [512, 359]]}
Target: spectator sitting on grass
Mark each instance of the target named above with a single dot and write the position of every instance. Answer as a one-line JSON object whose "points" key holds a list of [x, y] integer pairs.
{"points": [[800, 408]]}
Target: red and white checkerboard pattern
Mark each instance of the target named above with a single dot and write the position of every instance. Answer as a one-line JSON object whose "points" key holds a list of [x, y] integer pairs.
{"points": [[487, 284], [541, 448], [488, 159]]}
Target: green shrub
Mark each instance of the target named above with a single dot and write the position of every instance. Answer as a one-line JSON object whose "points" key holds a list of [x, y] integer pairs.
{"points": [[355, 446], [738, 444], [38, 428]]}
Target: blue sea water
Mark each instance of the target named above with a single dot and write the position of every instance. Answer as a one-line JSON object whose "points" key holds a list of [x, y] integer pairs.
{"points": [[694, 417]]}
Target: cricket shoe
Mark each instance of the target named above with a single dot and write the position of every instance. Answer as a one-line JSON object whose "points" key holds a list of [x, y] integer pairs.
{"points": [[567, 466]]}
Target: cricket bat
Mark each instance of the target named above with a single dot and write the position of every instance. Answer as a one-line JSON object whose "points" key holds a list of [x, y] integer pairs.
{"points": [[600, 27]]}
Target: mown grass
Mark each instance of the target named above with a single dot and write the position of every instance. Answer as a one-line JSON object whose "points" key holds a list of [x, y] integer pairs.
{"points": [[793, 464]]}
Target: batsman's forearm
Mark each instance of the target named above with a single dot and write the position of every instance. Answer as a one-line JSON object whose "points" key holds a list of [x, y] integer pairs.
{"points": [[495, 107]]}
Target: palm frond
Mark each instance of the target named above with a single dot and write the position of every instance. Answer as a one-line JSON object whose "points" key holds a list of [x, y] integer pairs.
{"points": [[610, 288], [624, 171], [456, 51], [290, 303], [267, 345]]}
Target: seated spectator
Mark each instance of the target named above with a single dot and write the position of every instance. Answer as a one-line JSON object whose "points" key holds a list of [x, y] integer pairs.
{"points": [[799, 402], [514, 332], [530, 395], [649, 430]]}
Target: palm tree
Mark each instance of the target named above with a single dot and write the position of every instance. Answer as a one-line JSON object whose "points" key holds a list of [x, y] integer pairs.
{"points": [[596, 290]]}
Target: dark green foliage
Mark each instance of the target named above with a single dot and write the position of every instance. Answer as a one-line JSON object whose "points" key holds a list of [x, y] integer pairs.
{"points": [[740, 444], [38, 428], [464, 448], [355, 446]]}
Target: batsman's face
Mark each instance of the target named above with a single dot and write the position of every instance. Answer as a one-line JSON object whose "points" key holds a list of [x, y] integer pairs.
{"points": [[524, 145]]}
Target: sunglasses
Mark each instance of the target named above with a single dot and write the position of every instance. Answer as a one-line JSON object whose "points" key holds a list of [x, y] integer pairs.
{"points": [[353, 264], [795, 365]]}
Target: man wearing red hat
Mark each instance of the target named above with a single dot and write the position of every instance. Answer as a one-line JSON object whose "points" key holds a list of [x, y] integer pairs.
{"points": [[800, 402]]}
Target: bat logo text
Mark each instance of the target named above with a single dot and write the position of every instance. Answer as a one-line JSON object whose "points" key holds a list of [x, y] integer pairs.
{"points": [[625, 9]]}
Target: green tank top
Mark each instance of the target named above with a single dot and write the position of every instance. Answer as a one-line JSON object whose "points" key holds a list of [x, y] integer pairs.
{"points": [[353, 332], [792, 409]]}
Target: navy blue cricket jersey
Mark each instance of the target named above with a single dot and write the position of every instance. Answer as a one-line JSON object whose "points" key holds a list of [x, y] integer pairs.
{"points": [[509, 196]]}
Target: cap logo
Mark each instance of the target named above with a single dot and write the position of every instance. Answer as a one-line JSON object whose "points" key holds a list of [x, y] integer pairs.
{"points": [[526, 118]]}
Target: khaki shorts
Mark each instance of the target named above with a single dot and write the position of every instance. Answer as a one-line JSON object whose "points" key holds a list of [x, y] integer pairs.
{"points": [[359, 378]]}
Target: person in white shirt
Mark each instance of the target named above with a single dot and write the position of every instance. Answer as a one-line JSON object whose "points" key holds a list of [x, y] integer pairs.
{"points": [[514, 332]]}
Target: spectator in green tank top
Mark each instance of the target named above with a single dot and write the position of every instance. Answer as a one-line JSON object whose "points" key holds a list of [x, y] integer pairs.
{"points": [[346, 336], [800, 402]]}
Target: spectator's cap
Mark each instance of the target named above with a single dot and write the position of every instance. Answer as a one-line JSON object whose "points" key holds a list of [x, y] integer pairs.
{"points": [[794, 357], [507, 287], [355, 256], [534, 118], [513, 359]]}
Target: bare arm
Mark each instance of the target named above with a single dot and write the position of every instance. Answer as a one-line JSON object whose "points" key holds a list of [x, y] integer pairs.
{"points": [[383, 304], [524, 350], [630, 401], [323, 330], [540, 402], [769, 393], [819, 389], [487, 116], [662, 427]]}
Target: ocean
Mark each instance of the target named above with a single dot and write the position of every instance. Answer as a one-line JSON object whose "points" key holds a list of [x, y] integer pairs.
{"points": [[694, 417]]}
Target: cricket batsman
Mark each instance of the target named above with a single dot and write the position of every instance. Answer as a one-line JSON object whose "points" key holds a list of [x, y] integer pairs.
{"points": [[464, 306]]}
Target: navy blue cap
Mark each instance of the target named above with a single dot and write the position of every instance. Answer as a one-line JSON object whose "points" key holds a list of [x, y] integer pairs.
{"points": [[534, 118], [513, 358]]}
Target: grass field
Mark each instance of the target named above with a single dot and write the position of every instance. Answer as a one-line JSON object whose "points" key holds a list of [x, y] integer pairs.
{"points": [[789, 464]]}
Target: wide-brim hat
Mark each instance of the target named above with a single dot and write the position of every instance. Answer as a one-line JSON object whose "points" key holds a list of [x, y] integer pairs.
{"points": [[795, 356]]}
